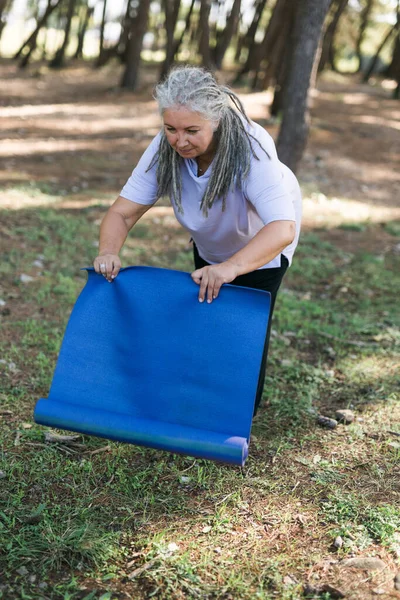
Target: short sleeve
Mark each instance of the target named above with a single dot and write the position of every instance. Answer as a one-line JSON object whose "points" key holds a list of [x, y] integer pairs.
{"points": [[267, 187], [141, 186]]}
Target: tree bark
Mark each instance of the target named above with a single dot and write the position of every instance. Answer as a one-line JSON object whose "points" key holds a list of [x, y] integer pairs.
{"points": [[102, 28], [248, 40], [134, 46], [59, 58], [310, 16], [171, 10], [82, 31], [178, 43], [392, 31], [31, 42], [231, 26], [327, 51], [204, 42], [365, 14]]}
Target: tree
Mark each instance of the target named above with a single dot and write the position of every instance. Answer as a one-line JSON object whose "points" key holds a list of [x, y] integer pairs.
{"points": [[31, 43], [310, 16], [204, 42], [248, 40], [327, 51], [389, 35], [365, 14], [171, 11], [179, 41], [138, 26], [58, 60], [229, 31], [102, 28], [5, 6], [85, 18]]}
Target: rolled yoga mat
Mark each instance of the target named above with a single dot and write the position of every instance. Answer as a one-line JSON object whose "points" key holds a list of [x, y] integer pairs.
{"points": [[143, 361]]}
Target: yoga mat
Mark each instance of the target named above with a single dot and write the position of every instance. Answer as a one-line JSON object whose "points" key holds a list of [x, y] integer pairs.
{"points": [[143, 361]]}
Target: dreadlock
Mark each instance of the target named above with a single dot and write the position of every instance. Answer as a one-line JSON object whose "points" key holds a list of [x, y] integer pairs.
{"points": [[196, 89]]}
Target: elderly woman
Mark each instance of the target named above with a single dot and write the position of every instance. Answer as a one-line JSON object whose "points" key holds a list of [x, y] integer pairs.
{"points": [[240, 205]]}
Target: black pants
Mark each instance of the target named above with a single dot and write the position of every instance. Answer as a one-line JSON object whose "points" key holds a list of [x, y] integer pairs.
{"points": [[268, 280]]}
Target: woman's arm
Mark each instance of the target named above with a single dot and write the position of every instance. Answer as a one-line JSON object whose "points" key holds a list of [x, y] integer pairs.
{"points": [[118, 221], [266, 244]]}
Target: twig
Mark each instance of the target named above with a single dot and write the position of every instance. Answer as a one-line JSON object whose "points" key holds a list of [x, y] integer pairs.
{"points": [[17, 439], [394, 433], [223, 499], [349, 342], [103, 449], [143, 568]]}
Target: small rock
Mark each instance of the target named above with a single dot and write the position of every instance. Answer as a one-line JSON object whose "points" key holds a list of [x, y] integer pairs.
{"points": [[38, 263], [13, 367], [206, 529], [345, 416], [378, 592], [338, 543], [217, 550], [397, 581], [330, 373], [2, 302], [286, 362], [172, 547], [394, 445], [25, 278], [32, 578], [327, 422], [330, 351], [368, 563], [184, 479], [2, 475], [43, 585], [287, 580], [3, 362], [22, 571], [26, 425]]}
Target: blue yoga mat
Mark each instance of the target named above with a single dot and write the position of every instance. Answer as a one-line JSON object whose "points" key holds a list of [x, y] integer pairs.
{"points": [[143, 361]]}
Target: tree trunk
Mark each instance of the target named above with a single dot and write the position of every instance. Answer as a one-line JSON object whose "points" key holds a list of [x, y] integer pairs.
{"points": [[365, 14], [5, 6], [248, 40], [134, 46], [178, 42], [327, 52], [310, 16], [204, 42], [392, 31], [102, 28], [58, 60], [171, 10], [31, 42], [259, 58], [82, 31], [273, 45], [231, 26]]}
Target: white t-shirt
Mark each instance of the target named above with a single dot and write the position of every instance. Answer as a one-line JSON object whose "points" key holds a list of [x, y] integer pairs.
{"points": [[270, 193]]}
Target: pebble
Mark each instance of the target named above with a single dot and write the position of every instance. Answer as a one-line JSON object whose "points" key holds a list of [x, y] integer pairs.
{"points": [[286, 362], [2, 474], [2, 302], [397, 581], [345, 416], [368, 563], [184, 479], [287, 580], [38, 263], [327, 422], [338, 543], [22, 571], [25, 278]]}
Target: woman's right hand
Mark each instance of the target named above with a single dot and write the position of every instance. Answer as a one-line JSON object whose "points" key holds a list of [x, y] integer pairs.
{"points": [[107, 265]]}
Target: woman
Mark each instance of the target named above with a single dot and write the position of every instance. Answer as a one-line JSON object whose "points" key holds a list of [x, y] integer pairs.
{"points": [[241, 206]]}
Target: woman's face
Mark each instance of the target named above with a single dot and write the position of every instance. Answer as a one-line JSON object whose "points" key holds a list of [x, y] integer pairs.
{"points": [[188, 133]]}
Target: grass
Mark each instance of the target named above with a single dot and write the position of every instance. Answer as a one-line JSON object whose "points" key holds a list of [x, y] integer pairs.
{"points": [[75, 519], [78, 521]]}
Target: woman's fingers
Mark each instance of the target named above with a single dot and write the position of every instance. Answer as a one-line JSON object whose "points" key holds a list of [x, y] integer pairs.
{"points": [[107, 265]]}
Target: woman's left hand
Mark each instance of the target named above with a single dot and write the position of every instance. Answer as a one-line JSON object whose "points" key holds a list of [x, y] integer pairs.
{"points": [[211, 278]]}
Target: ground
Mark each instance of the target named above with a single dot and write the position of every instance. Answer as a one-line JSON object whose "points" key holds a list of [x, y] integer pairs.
{"points": [[85, 518]]}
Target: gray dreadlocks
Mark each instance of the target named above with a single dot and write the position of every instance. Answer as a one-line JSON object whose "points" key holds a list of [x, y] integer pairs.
{"points": [[196, 89]]}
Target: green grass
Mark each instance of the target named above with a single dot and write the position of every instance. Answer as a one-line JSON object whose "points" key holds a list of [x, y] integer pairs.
{"points": [[80, 522]]}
